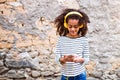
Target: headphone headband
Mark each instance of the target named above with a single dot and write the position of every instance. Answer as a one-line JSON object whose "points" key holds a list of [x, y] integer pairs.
{"points": [[73, 12]]}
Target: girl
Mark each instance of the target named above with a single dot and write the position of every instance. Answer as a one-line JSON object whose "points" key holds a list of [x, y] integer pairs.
{"points": [[72, 49]]}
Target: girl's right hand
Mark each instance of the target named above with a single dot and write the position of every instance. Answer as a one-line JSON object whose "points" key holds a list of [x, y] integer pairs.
{"points": [[69, 58], [65, 59]]}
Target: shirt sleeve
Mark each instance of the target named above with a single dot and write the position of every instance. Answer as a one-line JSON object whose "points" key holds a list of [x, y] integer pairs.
{"points": [[57, 51], [85, 53]]}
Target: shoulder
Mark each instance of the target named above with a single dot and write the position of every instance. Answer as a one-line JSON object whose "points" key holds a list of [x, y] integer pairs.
{"points": [[61, 37], [84, 40]]}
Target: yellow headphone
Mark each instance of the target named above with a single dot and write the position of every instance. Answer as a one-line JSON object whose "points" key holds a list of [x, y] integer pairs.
{"points": [[73, 12]]}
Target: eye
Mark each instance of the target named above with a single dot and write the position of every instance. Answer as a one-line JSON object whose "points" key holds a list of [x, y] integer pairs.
{"points": [[75, 26], [70, 26]]}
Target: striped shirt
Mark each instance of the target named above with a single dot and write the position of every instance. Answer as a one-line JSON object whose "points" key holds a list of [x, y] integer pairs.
{"points": [[78, 46]]}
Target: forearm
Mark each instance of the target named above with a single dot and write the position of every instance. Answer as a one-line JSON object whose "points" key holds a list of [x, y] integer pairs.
{"points": [[57, 57], [86, 60]]}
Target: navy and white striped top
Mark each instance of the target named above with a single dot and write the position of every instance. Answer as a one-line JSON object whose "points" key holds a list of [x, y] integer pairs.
{"points": [[78, 46]]}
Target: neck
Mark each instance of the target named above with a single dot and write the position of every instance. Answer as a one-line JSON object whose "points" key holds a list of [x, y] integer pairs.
{"points": [[70, 36]]}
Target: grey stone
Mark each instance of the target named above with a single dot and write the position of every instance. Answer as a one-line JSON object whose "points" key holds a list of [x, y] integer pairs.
{"points": [[118, 74], [103, 66], [24, 55], [97, 74], [92, 78], [14, 75], [1, 63], [16, 4], [112, 72], [9, 56], [2, 56], [112, 77], [36, 8], [47, 73], [19, 64], [34, 54], [3, 70], [104, 60], [35, 74]]}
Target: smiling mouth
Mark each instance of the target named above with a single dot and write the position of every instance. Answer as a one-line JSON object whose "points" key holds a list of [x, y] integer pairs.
{"points": [[72, 32]]}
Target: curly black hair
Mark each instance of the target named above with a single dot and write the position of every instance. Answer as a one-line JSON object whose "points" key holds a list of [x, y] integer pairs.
{"points": [[59, 22]]}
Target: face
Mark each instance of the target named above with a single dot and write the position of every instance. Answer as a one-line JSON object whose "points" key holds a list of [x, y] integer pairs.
{"points": [[73, 27]]}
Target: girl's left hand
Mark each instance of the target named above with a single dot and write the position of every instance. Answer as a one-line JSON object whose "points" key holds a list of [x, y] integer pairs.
{"points": [[78, 60]]}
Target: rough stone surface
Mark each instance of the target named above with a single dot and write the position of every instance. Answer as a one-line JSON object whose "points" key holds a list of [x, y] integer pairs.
{"points": [[18, 64], [28, 38], [1, 1]]}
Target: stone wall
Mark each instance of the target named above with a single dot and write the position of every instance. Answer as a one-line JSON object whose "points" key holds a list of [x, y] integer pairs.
{"points": [[28, 38], [104, 34]]}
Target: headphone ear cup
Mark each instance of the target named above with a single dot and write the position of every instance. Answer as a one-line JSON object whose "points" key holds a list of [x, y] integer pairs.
{"points": [[81, 26], [65, 25]]}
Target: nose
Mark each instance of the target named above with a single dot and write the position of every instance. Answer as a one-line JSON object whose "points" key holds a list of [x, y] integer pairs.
{"points": [[72, 28]]}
